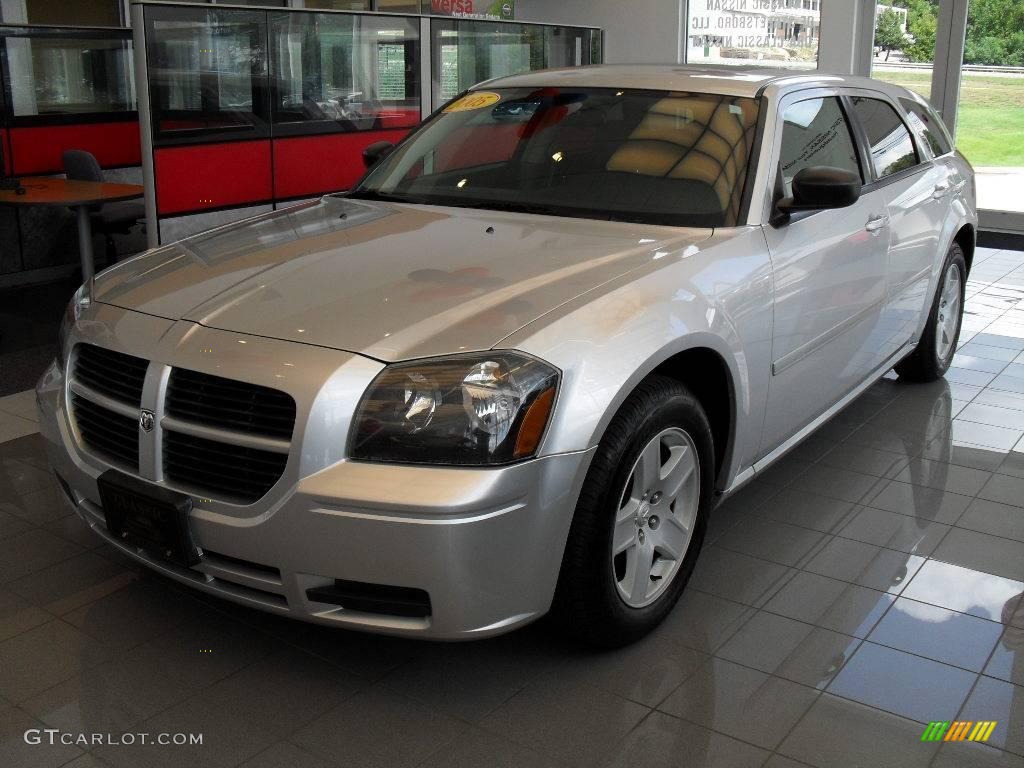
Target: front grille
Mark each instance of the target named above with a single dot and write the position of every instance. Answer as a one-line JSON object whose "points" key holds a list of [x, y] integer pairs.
{"points": [[228, 404], [222, 439], [219, 469], [110, 435], [114, 374]]}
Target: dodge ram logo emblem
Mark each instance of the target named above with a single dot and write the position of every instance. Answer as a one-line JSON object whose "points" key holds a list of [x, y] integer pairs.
{"points": [[146, 421]]}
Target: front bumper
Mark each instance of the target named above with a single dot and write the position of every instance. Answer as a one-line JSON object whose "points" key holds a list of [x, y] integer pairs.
{"points": [[485, 544]]}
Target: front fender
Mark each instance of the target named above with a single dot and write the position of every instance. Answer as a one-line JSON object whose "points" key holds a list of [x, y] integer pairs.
{"points": [[607, 341]]}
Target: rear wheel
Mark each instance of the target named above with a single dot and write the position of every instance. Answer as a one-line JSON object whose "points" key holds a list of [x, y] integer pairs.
{"points": [[937, 346], [640, 519]]}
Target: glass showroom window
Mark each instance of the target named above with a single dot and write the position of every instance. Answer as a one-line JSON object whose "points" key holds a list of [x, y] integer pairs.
{"points": [[990, 113], [467, 52], [69, 75], [904, 49], [473, 51], [208, 72], [775, 33], [340, 72]]}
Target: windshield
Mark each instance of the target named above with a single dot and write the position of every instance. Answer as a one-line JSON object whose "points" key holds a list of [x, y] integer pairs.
{"points": [[654, 157]]}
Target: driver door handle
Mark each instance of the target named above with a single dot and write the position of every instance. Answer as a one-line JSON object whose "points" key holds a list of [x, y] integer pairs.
{"points": [[877, 223]]}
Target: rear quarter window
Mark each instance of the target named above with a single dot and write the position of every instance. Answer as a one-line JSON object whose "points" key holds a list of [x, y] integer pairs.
{"points": [[928, 126]]}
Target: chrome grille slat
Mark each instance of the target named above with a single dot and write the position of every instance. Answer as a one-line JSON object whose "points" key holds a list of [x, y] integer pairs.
{"points": [[98, 398], [233, 436]]}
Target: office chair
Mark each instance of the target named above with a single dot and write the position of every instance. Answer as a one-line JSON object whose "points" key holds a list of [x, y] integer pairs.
{"points": [[107, 218]]}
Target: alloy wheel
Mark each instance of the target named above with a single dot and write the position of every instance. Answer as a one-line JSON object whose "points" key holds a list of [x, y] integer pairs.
{"points": [[656, 517], [948, 319]]}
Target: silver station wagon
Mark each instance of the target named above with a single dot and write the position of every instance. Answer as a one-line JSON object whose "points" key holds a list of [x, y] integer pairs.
{"points": [[515, 368]]}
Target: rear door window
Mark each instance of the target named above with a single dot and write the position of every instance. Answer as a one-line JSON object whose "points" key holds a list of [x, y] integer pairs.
{"points": [[892, 148]]}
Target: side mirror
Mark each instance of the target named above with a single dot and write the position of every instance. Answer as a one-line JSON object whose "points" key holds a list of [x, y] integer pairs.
{"points": [[376, 152], [821, 188]]}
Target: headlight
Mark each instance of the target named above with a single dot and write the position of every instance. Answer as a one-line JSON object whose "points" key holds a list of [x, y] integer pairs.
{"points": [[479, 409], [79, 302]]}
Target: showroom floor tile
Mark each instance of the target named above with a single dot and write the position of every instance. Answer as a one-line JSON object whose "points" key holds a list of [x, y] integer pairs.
{"points": [[870, 583]]}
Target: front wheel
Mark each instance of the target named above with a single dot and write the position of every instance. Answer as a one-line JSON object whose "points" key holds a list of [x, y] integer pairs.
{"points": [[934, 353], [640, 519]]}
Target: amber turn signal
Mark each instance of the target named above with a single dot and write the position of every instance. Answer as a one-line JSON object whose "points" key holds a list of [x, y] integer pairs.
{"points": [[534, 422]]}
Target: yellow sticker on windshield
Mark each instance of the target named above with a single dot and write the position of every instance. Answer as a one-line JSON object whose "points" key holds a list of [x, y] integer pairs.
{"points": [[472, 101]]}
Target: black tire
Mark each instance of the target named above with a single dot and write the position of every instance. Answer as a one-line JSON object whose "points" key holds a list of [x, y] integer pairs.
{"points": [[924, 363], [587, 602]]}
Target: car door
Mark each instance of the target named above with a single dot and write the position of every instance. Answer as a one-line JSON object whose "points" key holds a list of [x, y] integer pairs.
{"points": [[829, 271], [916, 195]]}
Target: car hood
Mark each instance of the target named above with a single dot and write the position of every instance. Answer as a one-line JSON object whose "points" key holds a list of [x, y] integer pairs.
{"points": [[385, 280]]}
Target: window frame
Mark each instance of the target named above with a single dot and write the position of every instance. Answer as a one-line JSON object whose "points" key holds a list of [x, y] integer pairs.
{"points": [[924, 159]]}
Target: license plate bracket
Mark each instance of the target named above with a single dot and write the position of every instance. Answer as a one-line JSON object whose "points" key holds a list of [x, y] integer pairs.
{"points": [[148, 516]]}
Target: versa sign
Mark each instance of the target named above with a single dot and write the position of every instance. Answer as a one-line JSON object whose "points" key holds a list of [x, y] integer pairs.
{"points": [[503, 10]]}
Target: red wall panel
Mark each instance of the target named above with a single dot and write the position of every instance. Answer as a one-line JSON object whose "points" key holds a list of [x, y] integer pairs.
{"points": [[6, 169], [41, 149], [212, 176], [310, 165]]}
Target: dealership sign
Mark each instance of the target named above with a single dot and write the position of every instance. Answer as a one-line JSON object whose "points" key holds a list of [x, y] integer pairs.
{"points": [[501, 10]]}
